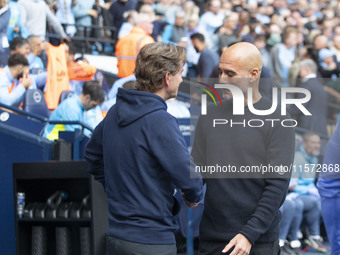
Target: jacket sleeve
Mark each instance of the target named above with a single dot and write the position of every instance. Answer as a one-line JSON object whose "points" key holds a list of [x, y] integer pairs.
{"points": [[173, 155], [280, 152], [80, 10], [94, 154], [23, 13], [13, 98], [166, 35], [54, 22]]}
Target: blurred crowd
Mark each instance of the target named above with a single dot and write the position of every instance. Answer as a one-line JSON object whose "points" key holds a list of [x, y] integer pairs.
{"points": [[285, 32]]}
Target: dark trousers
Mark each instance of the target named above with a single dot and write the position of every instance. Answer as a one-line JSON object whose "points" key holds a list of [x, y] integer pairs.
{"points": [[215, 248], [116, 246]]}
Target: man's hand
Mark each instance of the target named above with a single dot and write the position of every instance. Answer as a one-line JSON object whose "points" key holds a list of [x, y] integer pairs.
{"points": [[241, 245], [16, 29], [67, 39], [26, 81], [187, 203], [93, 13]]}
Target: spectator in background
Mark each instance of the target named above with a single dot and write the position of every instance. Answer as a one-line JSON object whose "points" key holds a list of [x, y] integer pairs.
{"points": [[73, 109], [226, 36], [161, 6], [283, 55], [208, 59], [117, 10], [292, 216], [147, 9], [14, 80], [36, 67], [246, 25], [192, 25], [209, 22], [329, 190], [212, 19], [173, 8], [190, 9], [129, 46], [192, 54], [260, 43], [83, 12], [35, 14], [36, 47], [174, 33], [130, 22], [274, 36], [305, 164], [329, 67], [66, 17], [15, 28], [4, 20], [336, 46], [266, 84], [327, 28], [20, 45], [317, 105], [319, 42], [337, 29]]}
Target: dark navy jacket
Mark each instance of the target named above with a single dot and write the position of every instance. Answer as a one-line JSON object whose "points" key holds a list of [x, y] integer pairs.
{"points": [[139, 155]]}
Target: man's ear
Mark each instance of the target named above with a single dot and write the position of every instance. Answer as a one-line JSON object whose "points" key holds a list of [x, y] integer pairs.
{"points": [[87, 97], [254, 73], [167, 79]]}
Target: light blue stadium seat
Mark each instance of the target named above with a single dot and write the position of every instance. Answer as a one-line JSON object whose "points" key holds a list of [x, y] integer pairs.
{"points": [[65, 94], [34, 102]]}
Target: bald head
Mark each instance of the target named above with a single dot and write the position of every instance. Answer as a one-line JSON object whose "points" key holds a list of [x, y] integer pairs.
{"points": [[244, 55], [145, 22], [240, 65], [320, 42]]}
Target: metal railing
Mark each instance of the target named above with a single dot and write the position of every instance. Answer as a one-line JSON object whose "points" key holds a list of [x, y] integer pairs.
{"points": [[46, 120], [86, 41]]}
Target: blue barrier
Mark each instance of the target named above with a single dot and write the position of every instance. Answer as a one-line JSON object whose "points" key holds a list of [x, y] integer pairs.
{"points": [[21, 141], [17, 145]]}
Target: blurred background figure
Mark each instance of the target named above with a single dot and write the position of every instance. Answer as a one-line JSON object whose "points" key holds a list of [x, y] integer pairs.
{"points": [[4, 21], [66, 17]]}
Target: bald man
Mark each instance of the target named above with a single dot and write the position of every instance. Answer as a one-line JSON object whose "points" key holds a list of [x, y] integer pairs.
{"points": [[241, 209]]}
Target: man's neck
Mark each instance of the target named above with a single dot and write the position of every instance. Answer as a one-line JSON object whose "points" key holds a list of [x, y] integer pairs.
{"points": [[308, 153], [162, 93], [12, 72], [82, 99], [203, 47], [255, 97]]}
